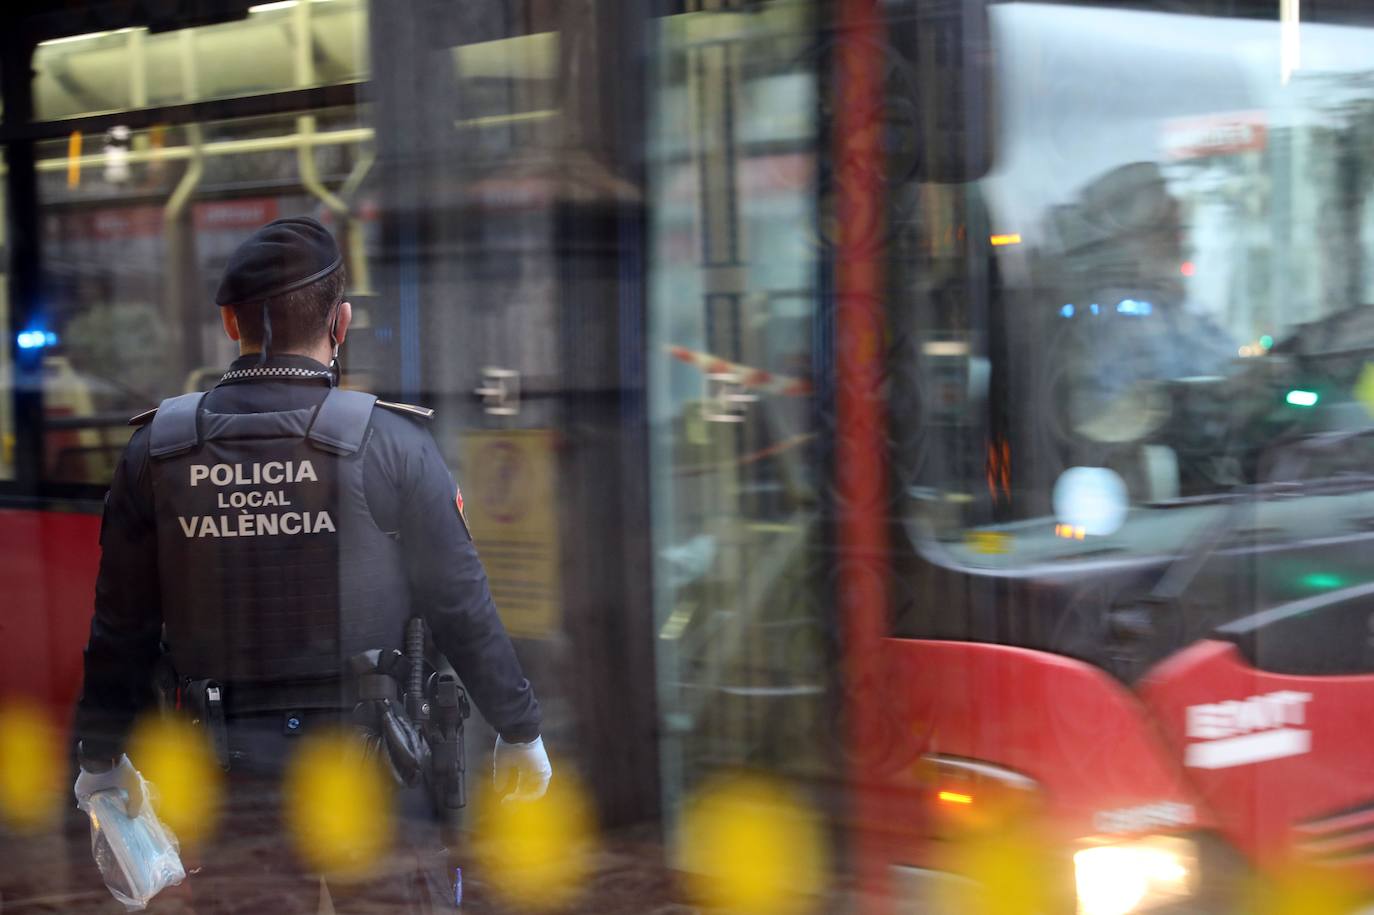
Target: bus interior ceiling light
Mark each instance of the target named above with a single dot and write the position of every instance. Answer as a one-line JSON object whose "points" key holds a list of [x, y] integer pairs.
{"points": [[1302, 398], [946, 348], [84, 36], [1067, 311]]}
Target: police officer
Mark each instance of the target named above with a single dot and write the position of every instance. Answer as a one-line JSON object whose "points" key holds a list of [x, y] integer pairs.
{"points": [[277, 525]]}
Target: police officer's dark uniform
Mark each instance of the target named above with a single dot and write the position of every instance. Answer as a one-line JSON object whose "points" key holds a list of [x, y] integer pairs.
{"points": [[276, 526]]}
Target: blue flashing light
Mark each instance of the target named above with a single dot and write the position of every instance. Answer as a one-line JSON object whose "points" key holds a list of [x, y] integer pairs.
{"points": [[1067, 311], [1093, 308], [36, 339], [1133, 307]]}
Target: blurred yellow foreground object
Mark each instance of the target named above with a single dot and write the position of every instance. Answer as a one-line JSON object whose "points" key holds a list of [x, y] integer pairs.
{"points": [[1007, 873], [750, 845], [175, 757], [31, 769], [1305, 890], [338, 806], [536, 855]]}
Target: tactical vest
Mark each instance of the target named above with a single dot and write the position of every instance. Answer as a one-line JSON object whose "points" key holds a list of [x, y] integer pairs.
{"points": [[272, 568]]}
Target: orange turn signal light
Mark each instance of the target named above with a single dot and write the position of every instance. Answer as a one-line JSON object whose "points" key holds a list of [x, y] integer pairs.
{"points": [[954, 797]]}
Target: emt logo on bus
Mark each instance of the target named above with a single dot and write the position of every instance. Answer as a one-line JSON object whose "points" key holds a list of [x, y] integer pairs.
{"points": [[1244, 731]]}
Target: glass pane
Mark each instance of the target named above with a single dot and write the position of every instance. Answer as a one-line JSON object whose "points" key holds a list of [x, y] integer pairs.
{"points": [[136, 232], [1132, 397], [279, 46], [7, 437], [733, 293], [1162, 303]]}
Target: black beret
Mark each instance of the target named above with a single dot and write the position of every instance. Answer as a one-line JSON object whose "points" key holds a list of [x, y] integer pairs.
{"points": [[283, 255]]}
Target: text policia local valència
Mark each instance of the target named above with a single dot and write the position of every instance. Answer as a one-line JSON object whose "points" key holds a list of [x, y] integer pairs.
{"points": [[263, 511]]}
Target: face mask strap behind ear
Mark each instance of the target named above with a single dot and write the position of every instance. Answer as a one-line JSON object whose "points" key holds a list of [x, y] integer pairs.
{"points": [[334, 363], [266, 334]]}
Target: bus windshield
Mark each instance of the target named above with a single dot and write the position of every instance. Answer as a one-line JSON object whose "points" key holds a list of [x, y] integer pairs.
{"points": [[1158, 295]]}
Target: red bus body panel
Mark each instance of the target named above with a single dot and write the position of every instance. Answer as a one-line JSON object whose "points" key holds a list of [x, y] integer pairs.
{"points": [[1097, 748], [1081, 735], [48, 563], [1306, 803]]}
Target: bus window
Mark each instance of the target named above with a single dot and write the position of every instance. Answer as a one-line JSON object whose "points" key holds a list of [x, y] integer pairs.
{"points": [[133, 68], [137, 223], [1158, 302]]}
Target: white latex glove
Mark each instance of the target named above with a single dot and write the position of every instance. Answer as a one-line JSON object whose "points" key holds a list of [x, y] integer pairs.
{"points": [[123, 775], [528, 762]]}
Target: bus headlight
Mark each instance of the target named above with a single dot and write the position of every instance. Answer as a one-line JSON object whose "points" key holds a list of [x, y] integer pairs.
{"points": [[1134, 876]]}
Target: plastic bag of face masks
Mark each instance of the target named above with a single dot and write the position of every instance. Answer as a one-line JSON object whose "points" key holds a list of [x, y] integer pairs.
{"points": [[138, 856]]}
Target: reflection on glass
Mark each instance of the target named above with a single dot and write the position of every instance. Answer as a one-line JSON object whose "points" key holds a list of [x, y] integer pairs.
{"points": [[1186, 311], [7, 437], [275, 46], [1185, 252], [136, 233], [1127, 383], [732, 296]]}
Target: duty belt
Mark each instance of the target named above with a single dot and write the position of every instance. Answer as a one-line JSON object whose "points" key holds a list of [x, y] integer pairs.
{"points": [[253, 698], [212, 705]]}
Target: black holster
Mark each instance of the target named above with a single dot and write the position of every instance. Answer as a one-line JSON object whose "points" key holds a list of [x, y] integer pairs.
{"points": [[447, 781], [379, 715], [438, 706], [418, 732]]}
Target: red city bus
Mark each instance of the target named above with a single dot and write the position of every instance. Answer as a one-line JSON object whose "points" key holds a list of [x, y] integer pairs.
{"points": [[1043, 391], [1127, 407]]}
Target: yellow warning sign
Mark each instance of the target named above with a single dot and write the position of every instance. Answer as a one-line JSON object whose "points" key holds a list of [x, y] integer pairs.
{"points": [[510, 490]]}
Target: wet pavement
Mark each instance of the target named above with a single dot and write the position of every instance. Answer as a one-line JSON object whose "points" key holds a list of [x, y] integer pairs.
{"points": [[52, 872]]}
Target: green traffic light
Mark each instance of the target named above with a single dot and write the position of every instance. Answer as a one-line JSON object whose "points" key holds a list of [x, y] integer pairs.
{"points": [[1299, 398]]}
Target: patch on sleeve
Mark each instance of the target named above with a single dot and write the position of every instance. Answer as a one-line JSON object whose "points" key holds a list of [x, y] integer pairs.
{"points": [[458, 502]]}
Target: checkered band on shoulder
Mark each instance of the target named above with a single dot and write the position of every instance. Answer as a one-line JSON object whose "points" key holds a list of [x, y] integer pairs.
{"points": [[273, 371]]}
